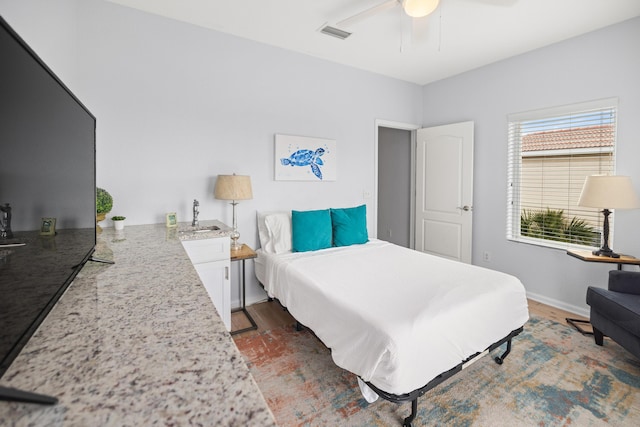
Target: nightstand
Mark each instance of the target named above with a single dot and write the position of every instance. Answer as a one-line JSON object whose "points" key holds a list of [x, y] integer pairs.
{"points": [[588, 256], [243, 254]]}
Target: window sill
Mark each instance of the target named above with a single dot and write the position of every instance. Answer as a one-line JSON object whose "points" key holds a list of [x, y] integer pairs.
{"points": [[551, 244]]}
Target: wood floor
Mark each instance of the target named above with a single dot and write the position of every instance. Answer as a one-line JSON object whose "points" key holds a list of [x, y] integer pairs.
{"points": [[270, 314]]}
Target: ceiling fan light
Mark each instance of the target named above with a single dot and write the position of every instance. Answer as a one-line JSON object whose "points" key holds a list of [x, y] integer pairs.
{"points": [[419, 8]]}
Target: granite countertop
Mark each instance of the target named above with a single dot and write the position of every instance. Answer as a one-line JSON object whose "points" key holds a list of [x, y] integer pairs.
{"points": [[135, 343]]}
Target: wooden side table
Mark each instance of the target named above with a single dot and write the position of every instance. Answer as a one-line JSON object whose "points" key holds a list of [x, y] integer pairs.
{"points": [[243, 254], [588, 256]]}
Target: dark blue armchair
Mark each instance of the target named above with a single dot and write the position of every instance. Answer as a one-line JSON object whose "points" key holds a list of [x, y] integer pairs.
{"points": [[615, 312]]}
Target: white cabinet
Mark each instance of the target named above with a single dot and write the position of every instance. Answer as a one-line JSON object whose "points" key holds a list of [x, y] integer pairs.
{"points": [[210, 257]]}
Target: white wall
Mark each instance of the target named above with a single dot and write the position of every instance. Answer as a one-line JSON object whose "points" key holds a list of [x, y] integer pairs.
{"points": [[177, 104], [597, 65]]}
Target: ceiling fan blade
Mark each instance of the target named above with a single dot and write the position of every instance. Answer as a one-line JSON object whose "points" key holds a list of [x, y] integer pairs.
{"points": [[346, 23]]}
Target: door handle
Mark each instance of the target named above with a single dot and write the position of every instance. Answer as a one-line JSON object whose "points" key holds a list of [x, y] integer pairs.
{"points": [[465, 208]]}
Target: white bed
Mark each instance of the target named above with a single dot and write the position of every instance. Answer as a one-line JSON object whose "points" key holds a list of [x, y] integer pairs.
{"points": [[395, 317]]}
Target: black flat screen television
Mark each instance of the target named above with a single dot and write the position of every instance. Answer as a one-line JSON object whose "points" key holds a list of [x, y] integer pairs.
{"points": [[47, 170]]}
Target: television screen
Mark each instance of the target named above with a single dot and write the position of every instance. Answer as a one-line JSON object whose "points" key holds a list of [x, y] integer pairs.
{"points": [[47, 191]]}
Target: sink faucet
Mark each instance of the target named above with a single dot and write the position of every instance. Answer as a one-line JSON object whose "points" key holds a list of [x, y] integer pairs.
{"points": [[196, 204]]}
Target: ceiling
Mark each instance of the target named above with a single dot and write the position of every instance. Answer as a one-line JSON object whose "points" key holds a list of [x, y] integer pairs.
{"points": [[459, 36]]}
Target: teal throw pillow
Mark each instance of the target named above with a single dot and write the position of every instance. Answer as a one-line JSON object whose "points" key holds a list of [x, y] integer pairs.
{"points": [[349, 226], [311, 230]]}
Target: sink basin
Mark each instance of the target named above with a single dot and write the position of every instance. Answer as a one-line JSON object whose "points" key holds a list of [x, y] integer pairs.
{"points": [[198, 229]]}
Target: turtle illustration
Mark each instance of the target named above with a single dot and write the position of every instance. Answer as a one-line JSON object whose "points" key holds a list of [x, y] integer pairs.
{"points": [[306, 158]]}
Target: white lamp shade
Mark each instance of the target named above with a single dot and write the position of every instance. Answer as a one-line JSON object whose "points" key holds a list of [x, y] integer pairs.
{"points": [[419, 8], [233, 187], [609, 192]]}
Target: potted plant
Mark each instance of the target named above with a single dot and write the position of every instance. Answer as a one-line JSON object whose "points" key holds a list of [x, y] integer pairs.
{"points": [[118, 221], [104, 203]]}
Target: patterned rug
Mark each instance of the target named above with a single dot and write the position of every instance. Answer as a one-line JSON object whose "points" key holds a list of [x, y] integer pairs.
{"points": [[554, 376]]}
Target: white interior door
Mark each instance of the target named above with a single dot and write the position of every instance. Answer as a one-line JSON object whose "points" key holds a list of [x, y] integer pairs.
{"points": [[444, 190]]}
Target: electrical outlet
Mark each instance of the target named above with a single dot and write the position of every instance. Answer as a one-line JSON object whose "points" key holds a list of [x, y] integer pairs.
{"points": [[486, 256], [366, 194]]}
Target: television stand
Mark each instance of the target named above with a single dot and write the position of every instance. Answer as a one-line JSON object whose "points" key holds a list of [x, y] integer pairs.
{"points": [[104, 261], [15, 395], [94, 259]]}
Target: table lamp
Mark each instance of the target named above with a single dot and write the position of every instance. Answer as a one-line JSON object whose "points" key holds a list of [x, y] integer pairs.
{"points": [[233, 187], [608, 192]]}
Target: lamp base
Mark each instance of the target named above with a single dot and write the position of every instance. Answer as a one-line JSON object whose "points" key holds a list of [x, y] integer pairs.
{"points": [[234, 236], [606, 252], [235, 246]]}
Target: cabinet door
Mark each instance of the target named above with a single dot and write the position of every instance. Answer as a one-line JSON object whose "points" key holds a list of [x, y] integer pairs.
{"points": [[210, 257], [207, 250], [215, 277]]}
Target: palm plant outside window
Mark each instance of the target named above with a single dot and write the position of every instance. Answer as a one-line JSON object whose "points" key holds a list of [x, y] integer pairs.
{"points": [[551, 152]]}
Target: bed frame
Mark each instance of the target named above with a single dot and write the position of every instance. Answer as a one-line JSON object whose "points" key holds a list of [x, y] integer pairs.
{"points": [[414, 395]]}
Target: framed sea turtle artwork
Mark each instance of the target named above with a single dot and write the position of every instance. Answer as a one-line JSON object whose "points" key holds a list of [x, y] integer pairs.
{"points": [[303, 158]]}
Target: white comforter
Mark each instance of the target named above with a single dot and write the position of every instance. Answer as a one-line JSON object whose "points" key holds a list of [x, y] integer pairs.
{"points": [[393, 316]]}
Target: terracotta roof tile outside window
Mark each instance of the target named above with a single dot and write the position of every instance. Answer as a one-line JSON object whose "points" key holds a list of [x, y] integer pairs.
{"points": [[564, 139]]}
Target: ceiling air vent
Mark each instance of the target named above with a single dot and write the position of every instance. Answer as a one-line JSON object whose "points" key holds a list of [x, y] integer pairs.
{"points": [[335, 32]]}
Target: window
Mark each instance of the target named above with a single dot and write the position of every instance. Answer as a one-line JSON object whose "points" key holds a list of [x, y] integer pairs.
{"points": [[551, 152]]}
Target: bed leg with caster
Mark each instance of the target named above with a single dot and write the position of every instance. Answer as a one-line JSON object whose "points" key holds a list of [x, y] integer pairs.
{"points": [[500, 359], [414, 412]]}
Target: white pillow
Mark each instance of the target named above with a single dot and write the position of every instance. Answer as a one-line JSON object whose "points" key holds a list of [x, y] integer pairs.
{"points": [[274, 230], [279, 227], [263, 233]]}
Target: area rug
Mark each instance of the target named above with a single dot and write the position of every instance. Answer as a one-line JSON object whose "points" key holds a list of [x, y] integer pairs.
{"points": [[554, 376]]}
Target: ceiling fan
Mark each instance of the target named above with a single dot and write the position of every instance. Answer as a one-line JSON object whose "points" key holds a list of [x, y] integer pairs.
{"points": [[413, 8]]}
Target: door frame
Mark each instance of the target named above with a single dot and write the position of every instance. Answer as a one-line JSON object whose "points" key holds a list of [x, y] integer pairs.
{"points": [[402, 126]]}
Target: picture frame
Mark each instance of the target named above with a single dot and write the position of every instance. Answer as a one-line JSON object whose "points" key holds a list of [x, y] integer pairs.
{"points": [[48, 227], [172, 220], [303, 158]]}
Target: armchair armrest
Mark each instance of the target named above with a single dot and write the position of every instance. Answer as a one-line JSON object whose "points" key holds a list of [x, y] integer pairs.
{"points": [[627, 282]]}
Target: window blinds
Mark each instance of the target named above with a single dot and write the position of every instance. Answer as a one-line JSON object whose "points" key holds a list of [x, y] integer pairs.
{"points": [[551, 152]]}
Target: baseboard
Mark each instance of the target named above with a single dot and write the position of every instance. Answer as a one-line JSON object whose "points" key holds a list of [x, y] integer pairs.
{"points": [[581, 311]]}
